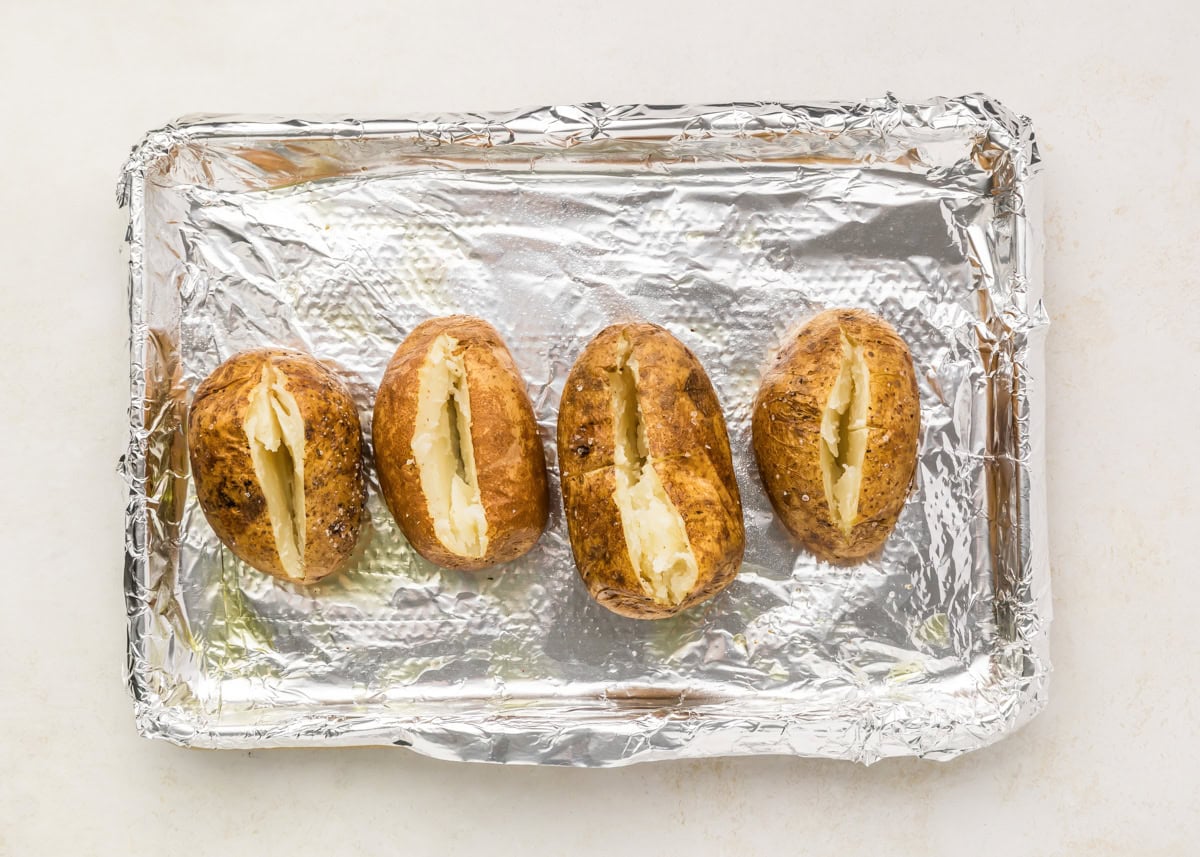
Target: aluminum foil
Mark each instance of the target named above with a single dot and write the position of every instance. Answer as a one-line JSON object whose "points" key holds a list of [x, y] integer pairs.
{"points": [[728, 224]]}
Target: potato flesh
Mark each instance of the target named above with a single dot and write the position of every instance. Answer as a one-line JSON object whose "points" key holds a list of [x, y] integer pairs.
{"points": [[844, 434], [275, 431], [654, 530], [445, 454]]}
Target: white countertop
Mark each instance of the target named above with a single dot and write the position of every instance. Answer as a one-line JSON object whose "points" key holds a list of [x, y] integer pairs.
{"points": [[1112, 766]]}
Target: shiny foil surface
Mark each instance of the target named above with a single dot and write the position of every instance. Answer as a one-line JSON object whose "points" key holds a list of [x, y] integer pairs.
{"points": [[728, 224]]}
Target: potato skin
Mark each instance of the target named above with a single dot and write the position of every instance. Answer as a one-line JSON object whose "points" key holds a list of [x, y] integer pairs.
{"points": [[686, 438], [226, 485], [509, 459], [786, 427]]}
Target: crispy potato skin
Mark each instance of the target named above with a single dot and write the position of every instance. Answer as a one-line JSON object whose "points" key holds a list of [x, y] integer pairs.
{"points": [[786, 429], [509, 458], [226, 485], [687, 439]]}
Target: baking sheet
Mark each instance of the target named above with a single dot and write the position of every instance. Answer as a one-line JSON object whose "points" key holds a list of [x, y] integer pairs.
{"points": [[729, 225]]}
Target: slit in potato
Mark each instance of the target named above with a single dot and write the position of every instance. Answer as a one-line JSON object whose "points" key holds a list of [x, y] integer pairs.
{"points": [[444, 452], [654, 530], [275, 431], [844, 433]]}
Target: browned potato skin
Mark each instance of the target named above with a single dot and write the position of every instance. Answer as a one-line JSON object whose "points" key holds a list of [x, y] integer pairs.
{"points": [[786, 429], [509, 459], [685, 434], [334, 480]]}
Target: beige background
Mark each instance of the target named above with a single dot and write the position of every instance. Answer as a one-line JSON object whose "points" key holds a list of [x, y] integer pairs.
{"points": [[1109, 768]]}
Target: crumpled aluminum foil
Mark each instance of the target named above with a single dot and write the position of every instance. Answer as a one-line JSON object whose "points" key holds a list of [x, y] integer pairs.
{"points": [[729, 224]]}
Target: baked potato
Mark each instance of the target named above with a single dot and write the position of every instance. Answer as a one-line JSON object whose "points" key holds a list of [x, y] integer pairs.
{"points": [[653, 508], [835, 428], [276, 453], [457, 449]]}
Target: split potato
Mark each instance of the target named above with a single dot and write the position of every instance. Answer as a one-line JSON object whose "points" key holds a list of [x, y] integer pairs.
{"points": [[457, 449], [835, 429], [276, 453], [653, 508]]}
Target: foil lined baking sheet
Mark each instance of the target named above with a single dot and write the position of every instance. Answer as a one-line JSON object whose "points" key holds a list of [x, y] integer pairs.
{"points": [[728, 224]]}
